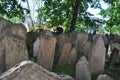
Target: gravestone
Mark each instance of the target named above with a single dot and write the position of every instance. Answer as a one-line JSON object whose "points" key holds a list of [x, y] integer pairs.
{"points": [[114, 57], [19, 30], [97, 59], [36, 46], [73, 37], [83, 69], [4, 26], [72, 56], [13, 44], [81, 40], [28, 70], [15, 51], [46, 51], [86, 49], [63, 60], [62, 39]]}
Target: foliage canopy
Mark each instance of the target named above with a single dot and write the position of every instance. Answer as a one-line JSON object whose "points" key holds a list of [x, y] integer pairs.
{"points": [[11, 8]]}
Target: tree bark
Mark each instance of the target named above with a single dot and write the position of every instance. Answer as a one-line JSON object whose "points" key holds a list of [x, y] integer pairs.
{"points": [[75, 8], [30, 15]]}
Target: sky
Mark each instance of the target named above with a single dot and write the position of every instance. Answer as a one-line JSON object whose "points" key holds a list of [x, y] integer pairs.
{"points": [[97, 11]]}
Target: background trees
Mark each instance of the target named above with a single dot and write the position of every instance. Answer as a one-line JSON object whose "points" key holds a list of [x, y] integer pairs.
{"points": [[12, 9], [113, 17], [71, 15]]}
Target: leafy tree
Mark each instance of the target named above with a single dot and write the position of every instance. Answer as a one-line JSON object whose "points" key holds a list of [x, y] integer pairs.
{"points": [[113, 15], [11, 8], [70, 14]]}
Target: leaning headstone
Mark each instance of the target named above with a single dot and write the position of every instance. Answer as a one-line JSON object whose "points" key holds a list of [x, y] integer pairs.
{"points": [[15, 45], [72, 56], [46, 51], [4, 26], [83, 69], [63, 60], [36, 46], [114, 57], [13, 48], [28, 70], [86, 49], [62, 39], [104, 77], [81, 40], [73, 37], [19, 30], [97, 59]]}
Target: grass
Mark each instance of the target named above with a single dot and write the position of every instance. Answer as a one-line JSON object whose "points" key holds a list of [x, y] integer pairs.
{"points": [[67, 69]]}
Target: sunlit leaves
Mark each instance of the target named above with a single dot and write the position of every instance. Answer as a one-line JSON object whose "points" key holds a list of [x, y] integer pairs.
{"points": [[113, 15], [11, 8], [60, 13]]}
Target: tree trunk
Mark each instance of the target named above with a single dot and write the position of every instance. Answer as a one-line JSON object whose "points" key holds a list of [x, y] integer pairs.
{"points": [[75, 8], [30, 15]]}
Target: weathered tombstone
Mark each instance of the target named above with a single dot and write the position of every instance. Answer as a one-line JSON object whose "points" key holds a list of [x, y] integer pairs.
{"points": [[4, 26], [83, 69], [28, 70], [19, 30], [86, 49], [104, 77], [13, 43], [114, 56], [81, 40], [46, 51], [63, 60], [36, 46], [97, 59], [73, 37], [106, 41], [72, 56], [62, 39]]}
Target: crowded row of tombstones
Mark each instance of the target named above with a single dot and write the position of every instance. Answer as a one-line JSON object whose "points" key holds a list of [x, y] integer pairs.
{"points": [[13, 50]]}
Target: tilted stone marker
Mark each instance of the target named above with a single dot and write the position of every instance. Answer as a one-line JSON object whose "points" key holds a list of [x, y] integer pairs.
{"points": [[4, 26], [63, 60], [72, 56], [18, 30], [15, 51], [81, 40], [73, 37], [46, 51], [97, 59], [13, 44], [28, 70], [83, 69], [113, 57], [62, 39], [86, 49]]}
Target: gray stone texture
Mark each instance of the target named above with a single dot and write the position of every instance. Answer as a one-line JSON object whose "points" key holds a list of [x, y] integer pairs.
{"points": [[81, 40], [83, 69], [28, 70], [97, 59], [72, 56], [12, 44]]}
